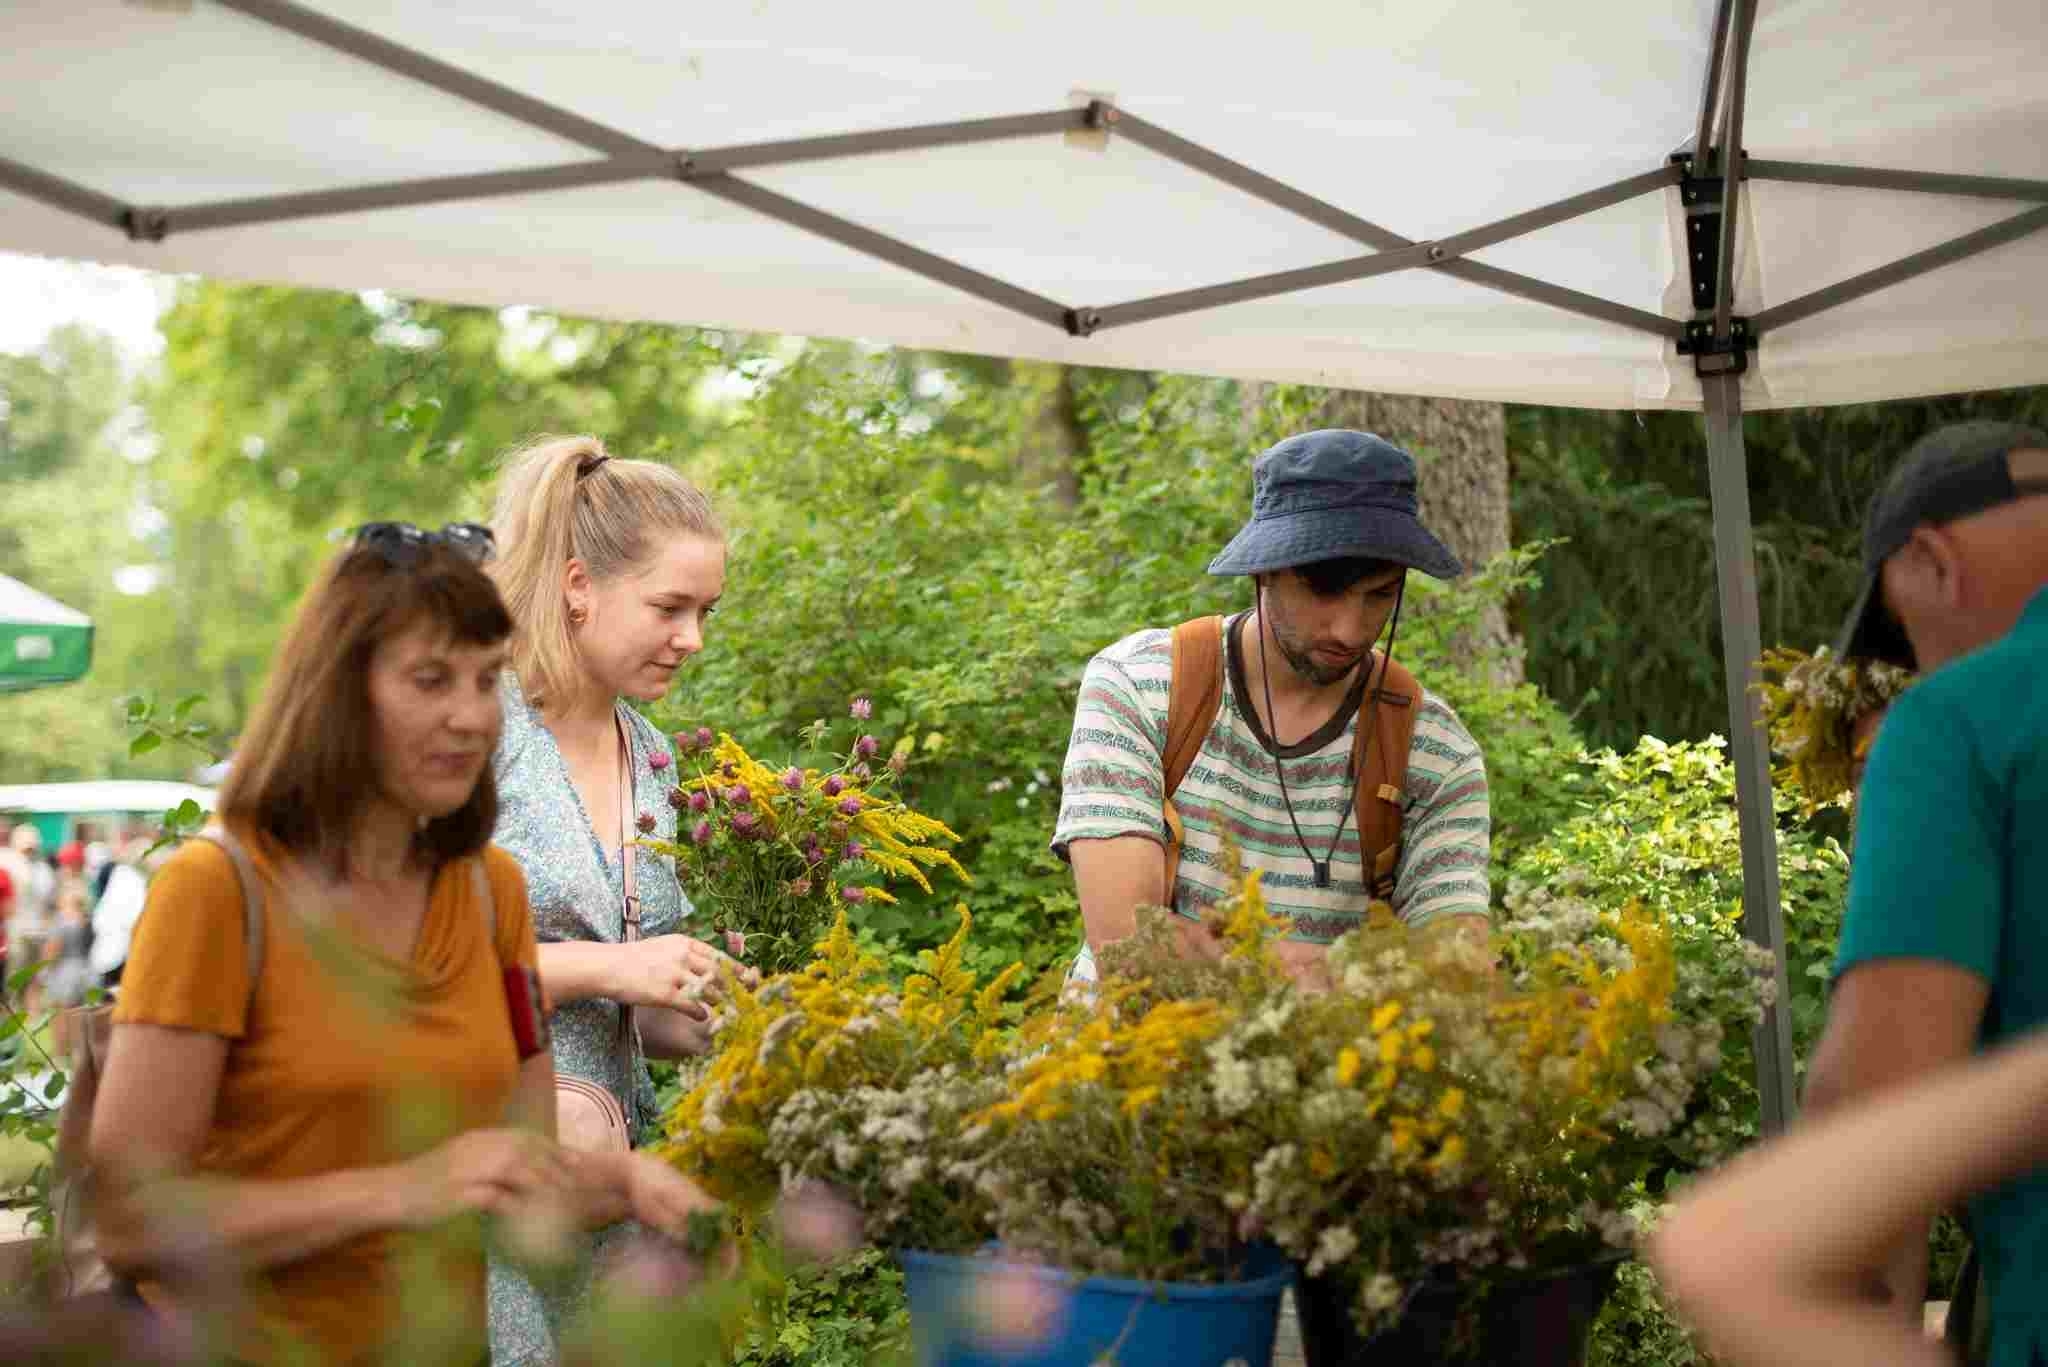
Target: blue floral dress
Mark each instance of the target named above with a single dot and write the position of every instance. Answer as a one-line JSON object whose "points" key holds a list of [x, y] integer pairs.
{"points": [[578, 893]]}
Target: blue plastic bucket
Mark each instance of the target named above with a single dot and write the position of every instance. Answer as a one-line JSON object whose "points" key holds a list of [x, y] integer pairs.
{"points": [[987, 1312]]}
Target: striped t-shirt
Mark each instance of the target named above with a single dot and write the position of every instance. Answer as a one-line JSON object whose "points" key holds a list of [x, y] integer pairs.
{"points": [[1114, 772]]}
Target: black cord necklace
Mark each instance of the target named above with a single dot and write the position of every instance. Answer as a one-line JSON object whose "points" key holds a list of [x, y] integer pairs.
{"points": [[1322, 866]]}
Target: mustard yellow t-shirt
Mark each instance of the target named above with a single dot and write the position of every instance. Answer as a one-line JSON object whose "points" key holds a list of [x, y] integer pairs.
{"points": [[344, 1058]]}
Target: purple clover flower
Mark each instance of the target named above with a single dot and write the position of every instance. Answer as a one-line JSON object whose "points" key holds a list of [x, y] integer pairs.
{"points": [[866, 747], [856, 850], [850, 805], [745, 825], [834, 786], [700, 834], [729, 769], [705, 740], [863, 773], [678, 799], [793, 779], [854, 896], [700, 801], [799, 887], [863, 708], [646, 822], [659, 761], [739, 795], [686, 741]]}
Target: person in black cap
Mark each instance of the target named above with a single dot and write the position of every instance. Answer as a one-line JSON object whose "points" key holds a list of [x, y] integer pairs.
{"points": [[1283, 730], [1944, 947]]}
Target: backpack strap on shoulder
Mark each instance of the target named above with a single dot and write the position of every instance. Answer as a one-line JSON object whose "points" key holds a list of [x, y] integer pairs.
{"points": [[252, 900], [1379, 758], [1192, 701]]}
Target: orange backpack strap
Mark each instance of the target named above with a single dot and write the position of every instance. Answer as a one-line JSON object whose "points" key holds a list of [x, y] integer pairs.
{"points": [[1192, 701], [1382, 769]]}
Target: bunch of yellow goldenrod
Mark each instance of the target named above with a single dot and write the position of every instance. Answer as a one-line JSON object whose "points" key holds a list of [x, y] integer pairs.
{"points": [[1445, 1106], [1811, 706]]}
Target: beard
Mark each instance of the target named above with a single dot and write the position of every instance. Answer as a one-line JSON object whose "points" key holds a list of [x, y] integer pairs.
{"points": [[1301, 657]]}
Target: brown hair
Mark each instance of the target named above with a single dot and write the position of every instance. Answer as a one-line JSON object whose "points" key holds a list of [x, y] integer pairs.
{"points": [[567, 498], [308, 758]]}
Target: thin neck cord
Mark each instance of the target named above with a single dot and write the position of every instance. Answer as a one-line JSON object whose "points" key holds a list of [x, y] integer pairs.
{"points": [[1322, 866]]}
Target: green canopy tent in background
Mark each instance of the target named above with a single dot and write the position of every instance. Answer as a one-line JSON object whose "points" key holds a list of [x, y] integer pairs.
{"points": [[41, 641]]}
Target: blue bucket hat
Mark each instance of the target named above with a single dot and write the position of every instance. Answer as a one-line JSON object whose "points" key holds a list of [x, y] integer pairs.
{"points": [[1330, 495]]}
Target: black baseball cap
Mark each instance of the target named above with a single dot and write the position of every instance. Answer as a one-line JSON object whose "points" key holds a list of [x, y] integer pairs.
{"points": [[1951, 473]]}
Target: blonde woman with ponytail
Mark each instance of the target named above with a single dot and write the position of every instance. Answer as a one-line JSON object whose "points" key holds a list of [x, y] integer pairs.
{"points": [[610, 569]]}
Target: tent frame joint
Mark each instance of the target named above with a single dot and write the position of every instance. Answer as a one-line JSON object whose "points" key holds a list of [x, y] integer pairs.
{"points": [[146, 224], [1712, 355]]}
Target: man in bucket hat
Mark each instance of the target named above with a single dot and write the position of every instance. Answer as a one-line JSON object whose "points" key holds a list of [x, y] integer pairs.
{"points": [[1944, 947], [1283, 730]]}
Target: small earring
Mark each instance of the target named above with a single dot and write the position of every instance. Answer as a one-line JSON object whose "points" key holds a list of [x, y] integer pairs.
{"points": [[577, 616]]}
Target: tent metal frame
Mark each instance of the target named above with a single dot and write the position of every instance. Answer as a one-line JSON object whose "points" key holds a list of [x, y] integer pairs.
{"points": [[1718, 341]]}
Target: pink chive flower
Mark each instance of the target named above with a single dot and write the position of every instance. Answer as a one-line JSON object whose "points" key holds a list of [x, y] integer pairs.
{"points": [[866, 747], [854, 896], [700, 834], [658, 761], [834, 786], [862, 708], [850, 806], [700, 801], [793, 779]]}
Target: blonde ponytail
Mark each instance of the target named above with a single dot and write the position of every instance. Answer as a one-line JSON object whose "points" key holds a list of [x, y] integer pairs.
{"points": [[567, 498]]}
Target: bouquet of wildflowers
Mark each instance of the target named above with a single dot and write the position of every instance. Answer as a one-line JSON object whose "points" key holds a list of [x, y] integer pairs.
{"points": [[776, 853], [1435, 1113], [1812, 704], [1444, 1107], [837, 1074]]}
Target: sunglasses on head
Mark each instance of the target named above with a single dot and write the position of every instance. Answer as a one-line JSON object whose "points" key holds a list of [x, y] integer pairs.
{"points": [[402, 545]]}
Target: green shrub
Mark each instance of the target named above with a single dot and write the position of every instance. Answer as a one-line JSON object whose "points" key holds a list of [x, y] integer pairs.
{"points": [[1658, 824], [849, 1313]]}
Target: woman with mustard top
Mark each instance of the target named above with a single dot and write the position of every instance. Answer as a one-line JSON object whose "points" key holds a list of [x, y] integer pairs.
{"points": [[611, 569], [304, 1155]]}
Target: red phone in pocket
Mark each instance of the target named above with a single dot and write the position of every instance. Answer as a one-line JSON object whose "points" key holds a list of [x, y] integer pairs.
{"points": [[529, 1010]]}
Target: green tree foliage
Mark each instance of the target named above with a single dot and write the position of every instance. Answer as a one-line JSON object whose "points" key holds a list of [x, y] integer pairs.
{"points": [[1627, 627]]}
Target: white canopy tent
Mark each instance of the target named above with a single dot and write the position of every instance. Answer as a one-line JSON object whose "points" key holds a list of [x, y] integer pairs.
{"points": [[1470, 199]]}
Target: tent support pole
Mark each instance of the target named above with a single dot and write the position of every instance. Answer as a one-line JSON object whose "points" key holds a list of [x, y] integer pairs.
{"points": [[1763, 920]]}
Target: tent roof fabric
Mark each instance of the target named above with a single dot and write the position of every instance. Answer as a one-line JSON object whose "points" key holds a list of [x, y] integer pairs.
{"points": [[21, 605], [1422, 122]]}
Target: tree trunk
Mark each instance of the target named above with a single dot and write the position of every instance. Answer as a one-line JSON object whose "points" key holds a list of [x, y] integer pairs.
{"points": [[1461, 459]]}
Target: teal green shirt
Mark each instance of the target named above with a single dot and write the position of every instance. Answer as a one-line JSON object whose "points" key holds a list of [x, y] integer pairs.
{"points": [[1952, 865]]}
